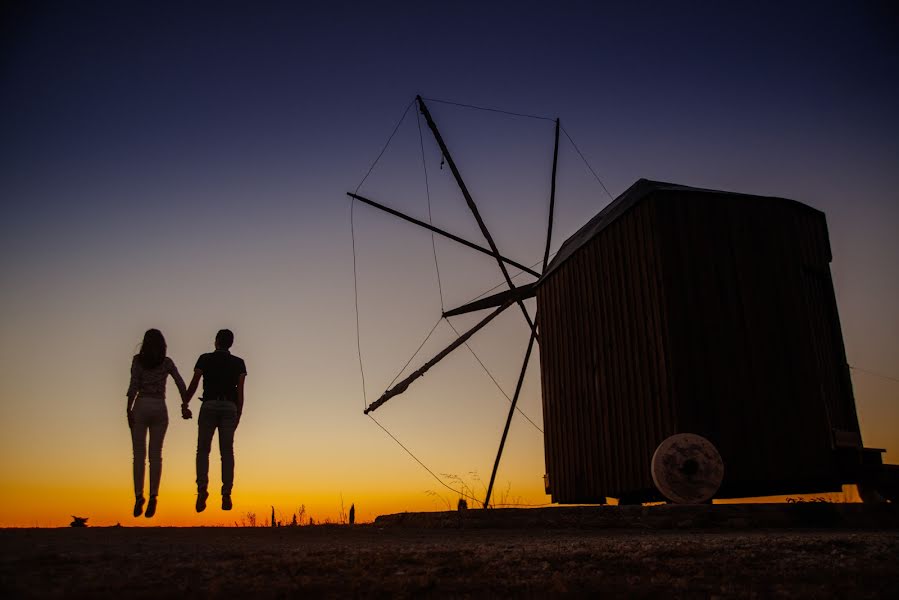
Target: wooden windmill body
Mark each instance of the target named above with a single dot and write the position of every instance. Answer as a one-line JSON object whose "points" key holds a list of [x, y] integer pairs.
{"points": [[680, 310]]}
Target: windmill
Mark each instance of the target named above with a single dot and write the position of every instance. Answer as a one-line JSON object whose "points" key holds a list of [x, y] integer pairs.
{"points": [[513, 295], [681, 329]]}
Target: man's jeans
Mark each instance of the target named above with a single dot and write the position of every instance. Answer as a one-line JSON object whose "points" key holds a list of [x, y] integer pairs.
{"points": [[150, 415], [214, 414]]}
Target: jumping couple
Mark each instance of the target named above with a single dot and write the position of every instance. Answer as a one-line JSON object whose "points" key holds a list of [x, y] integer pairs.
{"points": [[223, 377]]}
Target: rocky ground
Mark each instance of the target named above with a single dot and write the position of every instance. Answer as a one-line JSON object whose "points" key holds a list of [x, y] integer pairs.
{"points": [[523, 559]]}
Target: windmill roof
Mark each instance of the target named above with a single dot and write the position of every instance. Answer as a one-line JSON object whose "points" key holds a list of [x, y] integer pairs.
{"points": [[640, 190]]}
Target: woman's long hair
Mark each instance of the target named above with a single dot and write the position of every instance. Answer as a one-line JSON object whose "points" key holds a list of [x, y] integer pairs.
{"points": [[152, 350]]}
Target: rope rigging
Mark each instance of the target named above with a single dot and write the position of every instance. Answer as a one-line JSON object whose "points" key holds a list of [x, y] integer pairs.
{"points": [[583, 158], [371, 168], [539, 117], [424, 167], [386, 144], [874, 373], [438, 479], [496, 110], [442, 303], [414, 354], [356, 303], [495, 382], [440, 285], [353, 236]]}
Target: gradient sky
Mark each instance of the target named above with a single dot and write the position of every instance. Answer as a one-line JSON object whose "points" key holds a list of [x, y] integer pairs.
{"points": [[184, 167]]}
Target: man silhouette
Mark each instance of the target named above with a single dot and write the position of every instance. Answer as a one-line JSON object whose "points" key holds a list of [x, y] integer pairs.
{"points": [[223, 377]]}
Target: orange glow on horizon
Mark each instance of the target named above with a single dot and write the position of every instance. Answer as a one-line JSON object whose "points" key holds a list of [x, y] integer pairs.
{"points": [[42, 506]]}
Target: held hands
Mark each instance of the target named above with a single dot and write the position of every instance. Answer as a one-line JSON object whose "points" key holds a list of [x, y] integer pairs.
{"points": [[185, 411]]}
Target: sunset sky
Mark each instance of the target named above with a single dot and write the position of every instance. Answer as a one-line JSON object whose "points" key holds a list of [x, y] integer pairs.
{"points": [[185, 168]]}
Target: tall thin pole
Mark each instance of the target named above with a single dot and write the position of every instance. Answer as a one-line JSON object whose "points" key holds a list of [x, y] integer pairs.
{"points": [[470, 202], [552, 200], [502, 442], [404, 384], [430, 227]]}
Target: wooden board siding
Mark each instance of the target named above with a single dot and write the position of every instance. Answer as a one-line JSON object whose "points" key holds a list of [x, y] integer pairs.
{"points": [[694, 312], [603, 364]]}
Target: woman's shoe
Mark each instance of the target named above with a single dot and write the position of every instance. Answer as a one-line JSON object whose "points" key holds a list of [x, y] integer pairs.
{"points": [[138, 506], [151, 507]]}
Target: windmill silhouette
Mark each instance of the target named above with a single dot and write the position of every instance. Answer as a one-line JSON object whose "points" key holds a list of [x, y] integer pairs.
{"points": [[513, 295], [668, 323]]}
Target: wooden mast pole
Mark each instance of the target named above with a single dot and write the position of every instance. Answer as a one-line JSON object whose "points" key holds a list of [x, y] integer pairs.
{"points": [[552, 200], [401, 386], [502, 442], [470, 202], [527, 355], [430, 227]]}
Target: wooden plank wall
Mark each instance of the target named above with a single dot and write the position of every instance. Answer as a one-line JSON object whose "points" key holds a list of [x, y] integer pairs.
{"points": [[701, 313], [755, 348], [604, 364]]}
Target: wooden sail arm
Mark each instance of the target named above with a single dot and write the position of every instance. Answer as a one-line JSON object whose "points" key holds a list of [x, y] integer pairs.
{"points": [[404, 384], [446, 234], [552, 199], [502, 441], [471, 205], [522, 292]]}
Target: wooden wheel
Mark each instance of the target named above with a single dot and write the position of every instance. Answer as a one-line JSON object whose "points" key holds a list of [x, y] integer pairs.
{"points": [[687, 469]]}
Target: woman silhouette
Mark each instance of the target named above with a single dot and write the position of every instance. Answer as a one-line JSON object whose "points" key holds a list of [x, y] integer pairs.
{"points": [[147, 412]]}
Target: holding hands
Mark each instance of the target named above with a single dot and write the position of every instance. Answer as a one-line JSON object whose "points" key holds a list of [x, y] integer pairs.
{"points": [[186, 395]]}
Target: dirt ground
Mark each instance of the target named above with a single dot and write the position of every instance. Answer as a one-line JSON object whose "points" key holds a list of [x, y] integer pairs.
{"points": [[378, 561]]}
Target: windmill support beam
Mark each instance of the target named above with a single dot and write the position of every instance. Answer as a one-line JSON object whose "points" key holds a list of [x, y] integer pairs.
{"points": [[520, 293], [437, 230], [404, 384], [471, 205], [552, 200], [502, 442]]}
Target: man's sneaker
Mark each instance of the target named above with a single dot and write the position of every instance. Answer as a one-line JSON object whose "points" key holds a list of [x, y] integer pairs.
{"points": [[201, 500], [151, 507], [226, 502], [138, 506]]}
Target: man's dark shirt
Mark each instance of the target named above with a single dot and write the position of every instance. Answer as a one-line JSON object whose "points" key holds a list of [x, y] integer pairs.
{"points": [[221, 371]]}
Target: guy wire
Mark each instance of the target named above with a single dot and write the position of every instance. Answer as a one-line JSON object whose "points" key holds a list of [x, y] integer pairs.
{"points": [[353, 237], [874, 373], [430, 218], [492, 378], [583, 158], [496, 110]]}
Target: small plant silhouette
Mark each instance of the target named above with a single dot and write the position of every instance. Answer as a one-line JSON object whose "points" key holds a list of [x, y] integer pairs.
{"points": [[299, 518], [804, 500], [342, 516], [78, 521], [470, 489]]}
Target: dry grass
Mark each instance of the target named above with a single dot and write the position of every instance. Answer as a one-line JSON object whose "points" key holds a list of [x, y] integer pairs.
{"points": [[376, 561]]}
